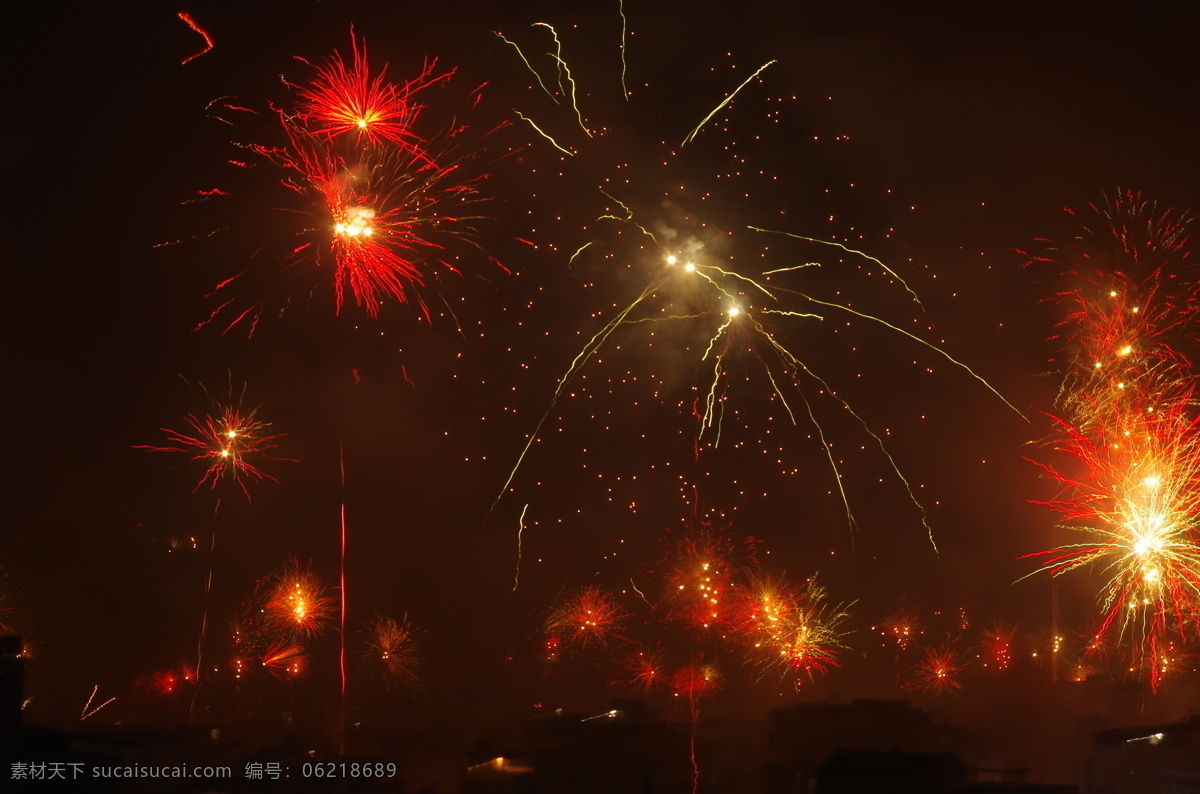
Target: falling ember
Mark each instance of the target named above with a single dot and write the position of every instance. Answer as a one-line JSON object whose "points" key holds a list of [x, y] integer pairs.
{"points": [[208, 42]]}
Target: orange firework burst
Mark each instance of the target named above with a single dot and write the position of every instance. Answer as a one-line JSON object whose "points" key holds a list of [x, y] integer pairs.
{"points": [[391, 652], [590, 617], [297, 602], [902, 626], [937, 672]]}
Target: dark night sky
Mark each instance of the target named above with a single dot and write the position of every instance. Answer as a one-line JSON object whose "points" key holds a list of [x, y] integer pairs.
{"points": [[969, 131]]}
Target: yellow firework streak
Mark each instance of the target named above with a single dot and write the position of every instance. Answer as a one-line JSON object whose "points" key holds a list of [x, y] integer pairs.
{"points": [[691, 135]]}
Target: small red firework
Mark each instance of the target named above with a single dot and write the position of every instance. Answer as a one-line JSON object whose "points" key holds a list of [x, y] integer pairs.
{"points": [[937, 672], [228, 442], [584, 619], [902, 627], [997, 646], [696, 679], [645, 669], [297, 602], [346, 99]]}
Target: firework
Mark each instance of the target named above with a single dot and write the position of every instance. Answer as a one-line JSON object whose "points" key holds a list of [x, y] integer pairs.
{"points": [[1136, 502], [298, 602], [168, 682], [696, 679], [391, 652], [283, 659], [741, 311], [584, 619], [902, 626], [645, 670], [937, 672], [700, 573], [1129, 432], [229, 443], [345, 99], [997, 646], [376, 200], [790, 628]]}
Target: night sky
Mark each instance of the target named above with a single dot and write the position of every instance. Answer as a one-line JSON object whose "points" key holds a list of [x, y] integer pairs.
{"points": [[937, 138]]}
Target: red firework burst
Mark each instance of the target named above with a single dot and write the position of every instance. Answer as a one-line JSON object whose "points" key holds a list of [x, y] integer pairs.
{"points": [[228, 442], [696, 679], [700, 573], [997, 646], [345, 98], [590, 617], [645, 669], [937, 672], [386, 205]]}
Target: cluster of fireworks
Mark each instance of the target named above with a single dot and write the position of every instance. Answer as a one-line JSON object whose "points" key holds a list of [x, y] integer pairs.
{"points": [[713, 591], [382, 198], [1131, 492]]}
